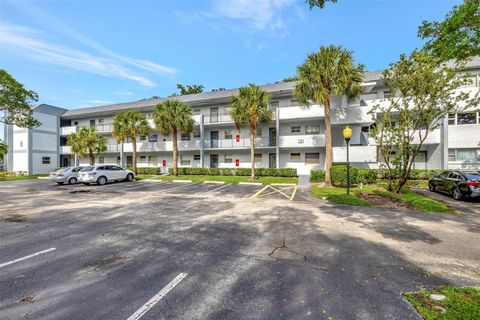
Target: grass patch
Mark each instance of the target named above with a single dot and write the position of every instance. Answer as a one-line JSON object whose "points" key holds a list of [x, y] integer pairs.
{"points": [[230, 179], [33, 176], [139, 177], [408, 198], [460, 303]]}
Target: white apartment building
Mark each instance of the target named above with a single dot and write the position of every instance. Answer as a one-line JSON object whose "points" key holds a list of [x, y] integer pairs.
{"points": [[294, 139]]}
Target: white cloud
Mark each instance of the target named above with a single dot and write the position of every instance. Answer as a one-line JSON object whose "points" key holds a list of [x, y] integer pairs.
{"points": [[24, 40]]}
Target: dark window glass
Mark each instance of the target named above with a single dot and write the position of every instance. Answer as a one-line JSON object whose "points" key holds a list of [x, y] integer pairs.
{"points": [[453, 175], [153, 138], [87, 169], [466, 118]]}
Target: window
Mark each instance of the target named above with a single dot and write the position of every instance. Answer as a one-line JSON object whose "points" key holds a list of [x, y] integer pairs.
{"points": [[196, 132], [153, 138], [312, 158], [185, 136], [257, 157], [143, 138], [258, 132], [312, 129], [452, 155], [366, 129], [114, 168], [294, 101], [273, 105], [295, 129], [295, 156], [229, 159], [196, 157], [92, 123], [228, 134], [21, 144], [184, 161], [453, 175], [196, 110], [100, 120], [45, 160], [466, 118], [143, 158], [152, 160], [386, 94], [467, 155], [75, 123], [452, 117], [101, 160]]}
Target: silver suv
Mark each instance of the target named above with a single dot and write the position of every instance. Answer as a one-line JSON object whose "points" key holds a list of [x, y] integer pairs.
{"points": [[68, 174], [102, 174]]}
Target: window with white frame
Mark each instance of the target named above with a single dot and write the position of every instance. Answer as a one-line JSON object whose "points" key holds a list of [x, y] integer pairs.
{"points": [[143, 138], [452, 119], [185, 136], [295, 129], [312, 157], [153, 138], [257, 157], [228, 134], [466, 118], [196, 157], [45, 160], [152, 160], [184, 161], [21, 144], [312, 130], [452, 155], [272, 106], [143, 158], [468, 155], [228, 158], [295, 156], [196, 110]]}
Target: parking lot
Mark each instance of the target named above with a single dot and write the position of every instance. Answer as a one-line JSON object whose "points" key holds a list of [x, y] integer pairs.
{"points": [[179, 250]]}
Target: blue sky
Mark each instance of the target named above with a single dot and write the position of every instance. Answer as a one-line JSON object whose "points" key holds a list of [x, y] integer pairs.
{"points": [[85, 53]]}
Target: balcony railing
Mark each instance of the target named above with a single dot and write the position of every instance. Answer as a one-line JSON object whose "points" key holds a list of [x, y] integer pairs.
{"points": [[109, 148], [65, 131], [218, 118], [357, 154], [240, 144], [305, 140]]}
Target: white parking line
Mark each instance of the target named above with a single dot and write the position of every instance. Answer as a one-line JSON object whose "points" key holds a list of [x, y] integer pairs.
{"points": [[162, 293], [26, 257], [179, 187], [225, 185]]}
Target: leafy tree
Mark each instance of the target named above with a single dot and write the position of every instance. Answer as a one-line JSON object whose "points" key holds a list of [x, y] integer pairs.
{"points": [[331, 71], [188, 89], [130, 124], [3, 149], [15, 102], [290, 79], [458, 36], [87, 142], [318, 3], [173, 117], [250, 107], [426, 92]]}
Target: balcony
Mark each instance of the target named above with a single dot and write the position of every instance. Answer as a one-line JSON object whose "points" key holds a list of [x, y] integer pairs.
{"points": [[357, 154], [302, 141], [240, 144], [65, 131], [104, 127], [65, 150], [434, 137], [301, 112], [217, 119]]}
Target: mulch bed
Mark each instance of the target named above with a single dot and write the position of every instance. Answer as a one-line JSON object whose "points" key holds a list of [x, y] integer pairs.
{"points": [[384, 202]]}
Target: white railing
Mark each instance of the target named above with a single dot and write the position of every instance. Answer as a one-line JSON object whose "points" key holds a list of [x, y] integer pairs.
{"points": [[306, 140], [240, 144], [301, 112], [65, 150], [219, 118], [65, 131], [357, 154]]}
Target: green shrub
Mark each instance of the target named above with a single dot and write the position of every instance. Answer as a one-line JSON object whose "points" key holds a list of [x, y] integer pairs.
{"points": [[261, 172], [367, 176], [338, 174], [148, 170], [317, 175], [415, 174]]}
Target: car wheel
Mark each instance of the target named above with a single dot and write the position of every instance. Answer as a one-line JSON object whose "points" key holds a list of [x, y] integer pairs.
{"points": [[431, 187], [456, 194], [129, 177], [72, 180], [59, 182], [101, 181]]}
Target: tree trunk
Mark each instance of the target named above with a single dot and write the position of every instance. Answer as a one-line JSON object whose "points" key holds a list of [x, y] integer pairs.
{"points": [[134, 155], [252, 151], [175, 153], [91, 157], [328, 143]]}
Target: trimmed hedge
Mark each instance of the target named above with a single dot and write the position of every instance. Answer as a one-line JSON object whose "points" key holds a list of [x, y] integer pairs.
{"points": [[415, 174], [338, 174], [317, 175], [148, 170], [260, 172], [367, 176]]}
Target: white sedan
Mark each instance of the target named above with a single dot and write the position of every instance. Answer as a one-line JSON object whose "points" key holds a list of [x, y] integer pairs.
{"points": [[102, 174]]}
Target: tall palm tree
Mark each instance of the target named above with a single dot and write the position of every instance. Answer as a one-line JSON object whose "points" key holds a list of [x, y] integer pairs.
{"points": [[250, 107], [87, 142], [130, 124], [328, 72], [173, 117], [3, 149]]}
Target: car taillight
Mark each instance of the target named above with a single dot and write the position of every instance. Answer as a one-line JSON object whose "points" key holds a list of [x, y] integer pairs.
{"points": [[473, 183], [92, 173], [61, 174]]}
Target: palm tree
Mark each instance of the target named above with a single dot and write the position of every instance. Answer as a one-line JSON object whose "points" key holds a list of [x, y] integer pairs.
{"points": [[130, 124], [250, 107], [87, 142], [3, 149], [331, 71], [173, 117]]}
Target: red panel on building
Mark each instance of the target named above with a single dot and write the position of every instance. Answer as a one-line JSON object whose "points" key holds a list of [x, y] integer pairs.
{"points": [[164, 163], [237, 138], [237, 162]]}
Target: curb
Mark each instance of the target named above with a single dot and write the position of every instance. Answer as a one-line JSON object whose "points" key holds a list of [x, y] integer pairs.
{"points": [[152, 180], [216, 182], [251, 183], [43, 178], [185, 181]]}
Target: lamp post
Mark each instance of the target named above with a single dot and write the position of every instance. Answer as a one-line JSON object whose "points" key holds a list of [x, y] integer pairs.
{"points": [[347, 134]]}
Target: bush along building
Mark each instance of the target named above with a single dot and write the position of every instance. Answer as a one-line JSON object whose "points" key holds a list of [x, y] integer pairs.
{"points": [[295, 138]]}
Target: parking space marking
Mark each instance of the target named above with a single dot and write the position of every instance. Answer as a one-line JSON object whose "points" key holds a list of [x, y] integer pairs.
{"points": [[261, 192], [225, 185], [162, 293], [26, 257], [179, 187]]}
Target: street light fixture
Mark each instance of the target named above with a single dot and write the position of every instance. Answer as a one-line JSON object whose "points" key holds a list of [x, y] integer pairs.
{"points": [[347, 134]]}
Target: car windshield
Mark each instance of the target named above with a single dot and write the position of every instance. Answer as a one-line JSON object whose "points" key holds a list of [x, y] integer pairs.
{"points": [[87, 169], [62, 169], [472, 176]]}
